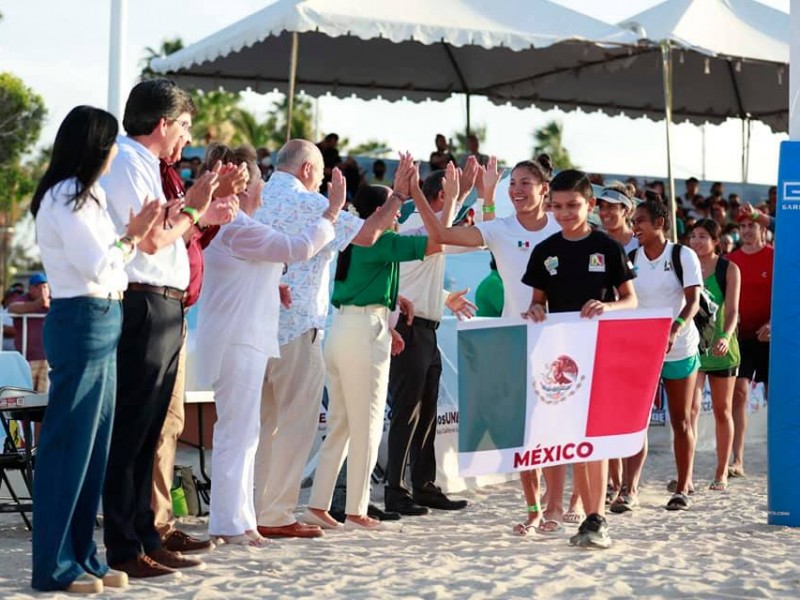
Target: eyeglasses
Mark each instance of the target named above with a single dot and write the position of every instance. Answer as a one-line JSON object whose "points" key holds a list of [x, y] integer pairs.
{"points": [[184, 123]]}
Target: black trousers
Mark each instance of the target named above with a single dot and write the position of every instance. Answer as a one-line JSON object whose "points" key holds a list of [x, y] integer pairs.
{"points": [[414, 391], [147, 364]]}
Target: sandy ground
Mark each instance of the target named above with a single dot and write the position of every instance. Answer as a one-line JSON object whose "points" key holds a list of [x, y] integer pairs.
{"points": [[722, 548]]}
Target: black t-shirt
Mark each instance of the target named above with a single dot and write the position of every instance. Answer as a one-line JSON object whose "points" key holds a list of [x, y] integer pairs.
{"points": [[573, 272]]}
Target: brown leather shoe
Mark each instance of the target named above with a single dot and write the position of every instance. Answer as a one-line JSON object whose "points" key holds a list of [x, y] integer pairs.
{"points": [[143, 566], [174, 560], [178, 541], [298, 530]]}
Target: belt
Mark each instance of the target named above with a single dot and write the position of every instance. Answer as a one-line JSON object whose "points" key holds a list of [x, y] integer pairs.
{"points": [[372, 309], [164, 291], [426, 323]]}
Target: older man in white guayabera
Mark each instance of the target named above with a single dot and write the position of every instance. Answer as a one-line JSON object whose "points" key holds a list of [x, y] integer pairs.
{"points": [[294, 382]]}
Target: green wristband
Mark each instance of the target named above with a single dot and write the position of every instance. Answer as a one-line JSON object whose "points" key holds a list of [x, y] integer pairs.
{"points": [[193, 214], [487, 209], [680, 321], [534, 508]]}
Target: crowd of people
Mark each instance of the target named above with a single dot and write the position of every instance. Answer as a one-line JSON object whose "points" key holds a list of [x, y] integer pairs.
{"points": [[127, 248]]}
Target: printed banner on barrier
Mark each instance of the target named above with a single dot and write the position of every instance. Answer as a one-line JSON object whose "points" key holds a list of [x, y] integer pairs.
{"points": [[563, 391]]}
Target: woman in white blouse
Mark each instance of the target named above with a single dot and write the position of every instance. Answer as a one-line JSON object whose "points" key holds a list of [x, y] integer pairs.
{"points": [[84, 258], [237, 333]]}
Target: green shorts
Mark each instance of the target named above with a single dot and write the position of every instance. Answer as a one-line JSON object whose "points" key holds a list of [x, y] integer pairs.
{"points": [[680, 369]]}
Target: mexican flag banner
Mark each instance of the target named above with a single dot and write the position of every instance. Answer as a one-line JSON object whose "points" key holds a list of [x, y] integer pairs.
{"points": [[562, 391]]}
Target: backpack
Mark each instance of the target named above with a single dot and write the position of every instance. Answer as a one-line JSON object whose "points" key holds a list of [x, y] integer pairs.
{"points": [[706, 317]]}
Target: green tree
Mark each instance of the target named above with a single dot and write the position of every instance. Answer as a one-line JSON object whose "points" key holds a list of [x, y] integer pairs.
{"points": [[249, 130], [302, 119], [372, 147], [22, 114], [167, 47], [213, 120], [548, 140]]}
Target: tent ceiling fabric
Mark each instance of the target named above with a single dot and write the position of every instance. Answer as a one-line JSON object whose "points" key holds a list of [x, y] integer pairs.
{"points": [[523, 52]]}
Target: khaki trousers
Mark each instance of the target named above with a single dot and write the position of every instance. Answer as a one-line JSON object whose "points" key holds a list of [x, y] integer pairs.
{"points": [[290, 406], [164, 461], [357, 357]]}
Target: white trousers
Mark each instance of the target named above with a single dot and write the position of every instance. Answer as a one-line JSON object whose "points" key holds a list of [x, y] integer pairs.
{"points": [[357, 356], [290, 406], [237, 394]]}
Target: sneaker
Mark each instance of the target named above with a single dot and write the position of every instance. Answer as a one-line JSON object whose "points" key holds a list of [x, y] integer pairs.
{"points": [[174, 560], [115, 579], [404, 505], [85, 584], [592, 533], [178, 541], [144, 567], [431, 495]]}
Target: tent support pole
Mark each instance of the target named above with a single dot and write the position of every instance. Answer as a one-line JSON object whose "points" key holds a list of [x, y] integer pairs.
{"points": [[292, 80], [469, 114], [745, 148], [666, 68]]}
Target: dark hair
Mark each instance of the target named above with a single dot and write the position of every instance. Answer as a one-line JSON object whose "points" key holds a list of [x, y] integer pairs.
{"points": [[332, 137], [366, 201], [432, 185], [153, 100], [492, 262], [572, 180], [655, 208], [692, 180], [711, 226], [541, 167], [215, 152], [81, 148]]}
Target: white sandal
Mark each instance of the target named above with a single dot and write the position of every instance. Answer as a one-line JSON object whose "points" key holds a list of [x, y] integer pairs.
{"points": [[249, 538]]}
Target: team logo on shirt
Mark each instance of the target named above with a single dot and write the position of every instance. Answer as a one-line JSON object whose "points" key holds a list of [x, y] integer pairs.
{"points": [[597, 263], [551, 264], [667, 265], [559, 380], [523, 245]]}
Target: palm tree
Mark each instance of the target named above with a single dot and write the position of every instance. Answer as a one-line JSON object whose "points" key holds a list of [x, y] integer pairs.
{"points": [[249, 130], [372, 147], [302, 120], [549, 141], [167, 47], [213, 121]]}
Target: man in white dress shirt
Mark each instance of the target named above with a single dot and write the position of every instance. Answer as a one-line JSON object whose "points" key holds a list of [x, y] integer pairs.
{"points": [[158, 116], [294, 382]]}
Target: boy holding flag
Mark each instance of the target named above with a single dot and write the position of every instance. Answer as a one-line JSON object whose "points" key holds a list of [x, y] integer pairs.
{"points": [[579, 269]]}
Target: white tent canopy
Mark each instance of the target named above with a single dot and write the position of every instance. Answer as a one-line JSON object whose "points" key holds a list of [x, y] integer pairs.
{"points": [[416, 50], [730, 60]]}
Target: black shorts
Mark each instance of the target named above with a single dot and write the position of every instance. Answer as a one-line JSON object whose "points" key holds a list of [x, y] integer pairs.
{"points": [[731, 372], [755, 360]]}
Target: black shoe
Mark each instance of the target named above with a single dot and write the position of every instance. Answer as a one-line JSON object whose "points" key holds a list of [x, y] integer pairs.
{"points": [[404, 505], [382, 515], [432, 496], [592, 533]]}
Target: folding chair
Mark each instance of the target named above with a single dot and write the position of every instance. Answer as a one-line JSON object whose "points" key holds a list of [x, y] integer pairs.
{"points": [[22, 404], [18, 402]]}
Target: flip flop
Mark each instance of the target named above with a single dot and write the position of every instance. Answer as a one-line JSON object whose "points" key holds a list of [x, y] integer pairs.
{"points": [[718, 486], [678, 502], [522, 529], [573, 518], [555, 528], [736, 473], [244, 540]]}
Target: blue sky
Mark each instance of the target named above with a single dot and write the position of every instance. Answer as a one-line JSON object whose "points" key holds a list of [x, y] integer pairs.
{"points": [[60, 49]]}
